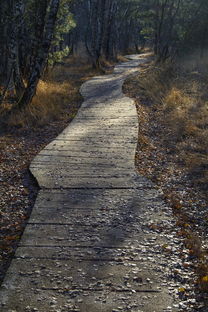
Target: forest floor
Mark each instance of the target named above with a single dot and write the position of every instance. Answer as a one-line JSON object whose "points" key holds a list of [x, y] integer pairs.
{"points": [[26, 135], [172, 152]]}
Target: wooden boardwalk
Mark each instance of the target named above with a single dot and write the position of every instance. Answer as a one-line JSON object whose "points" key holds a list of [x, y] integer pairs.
{"points": [[87, 246]]}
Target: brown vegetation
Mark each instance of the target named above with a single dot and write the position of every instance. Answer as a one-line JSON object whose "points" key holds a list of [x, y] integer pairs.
{"points": [[57, 95], [179, 101]]}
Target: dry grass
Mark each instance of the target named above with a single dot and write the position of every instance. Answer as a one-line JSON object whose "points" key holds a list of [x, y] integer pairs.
{"points": [[57, 95], [182, 98], [46, 105]]}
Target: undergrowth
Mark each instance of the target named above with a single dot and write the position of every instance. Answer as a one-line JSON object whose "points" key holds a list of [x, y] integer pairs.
{"points": [[57, 95], [181, 96]]}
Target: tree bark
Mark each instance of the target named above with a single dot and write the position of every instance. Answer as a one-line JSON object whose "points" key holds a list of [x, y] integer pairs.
{"points": [[41, 60], [13, 75]]}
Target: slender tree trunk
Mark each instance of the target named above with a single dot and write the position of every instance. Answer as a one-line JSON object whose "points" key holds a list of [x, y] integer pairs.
{"points": [[203, 42], [18, 81], [14, 78], [7, 84], [94, 19], [108, 50]]}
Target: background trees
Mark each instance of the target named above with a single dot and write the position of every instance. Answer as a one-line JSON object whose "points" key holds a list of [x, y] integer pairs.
{"points": [[106, 28], [32, 37], [174, 26], [37, 34]]}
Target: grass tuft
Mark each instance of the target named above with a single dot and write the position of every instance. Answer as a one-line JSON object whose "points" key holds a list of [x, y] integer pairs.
{"points": [[182, 99], [57, 95]]}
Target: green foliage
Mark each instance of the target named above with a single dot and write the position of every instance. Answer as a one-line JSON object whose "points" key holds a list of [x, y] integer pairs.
{"points": [[58, 56], [173, 26], [65, 22]]}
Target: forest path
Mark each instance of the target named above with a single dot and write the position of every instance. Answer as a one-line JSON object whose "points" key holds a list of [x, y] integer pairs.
{"points": [[89, 246]]}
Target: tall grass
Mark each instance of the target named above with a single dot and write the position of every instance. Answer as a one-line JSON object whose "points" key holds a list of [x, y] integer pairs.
{"points": [[57, 95], [181, 95]]}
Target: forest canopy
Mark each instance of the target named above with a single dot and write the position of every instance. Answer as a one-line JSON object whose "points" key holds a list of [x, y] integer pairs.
{"points": [[35, 35]]}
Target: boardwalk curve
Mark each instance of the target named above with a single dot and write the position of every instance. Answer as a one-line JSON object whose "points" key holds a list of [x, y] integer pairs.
{"points": [[87, 247]]}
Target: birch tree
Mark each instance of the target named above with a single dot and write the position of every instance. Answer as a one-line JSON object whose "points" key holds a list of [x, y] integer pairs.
{"points": [[15, 11]]}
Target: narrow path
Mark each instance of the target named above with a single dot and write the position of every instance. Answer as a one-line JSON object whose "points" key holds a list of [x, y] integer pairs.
{"points": [[88, 246]]}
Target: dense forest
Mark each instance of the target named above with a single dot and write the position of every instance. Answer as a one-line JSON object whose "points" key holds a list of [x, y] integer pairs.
{"points": [[35, 35]]}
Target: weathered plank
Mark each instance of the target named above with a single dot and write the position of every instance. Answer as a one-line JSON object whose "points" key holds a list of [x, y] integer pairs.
{"points": [[87, 247]]}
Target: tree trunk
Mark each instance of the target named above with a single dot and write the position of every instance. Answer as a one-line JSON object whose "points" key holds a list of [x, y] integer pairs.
{"points": [[16, 15], [41, 59]]}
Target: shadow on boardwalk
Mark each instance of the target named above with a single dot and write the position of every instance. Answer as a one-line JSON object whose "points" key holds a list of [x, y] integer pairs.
{"points": [[88, 246]]}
